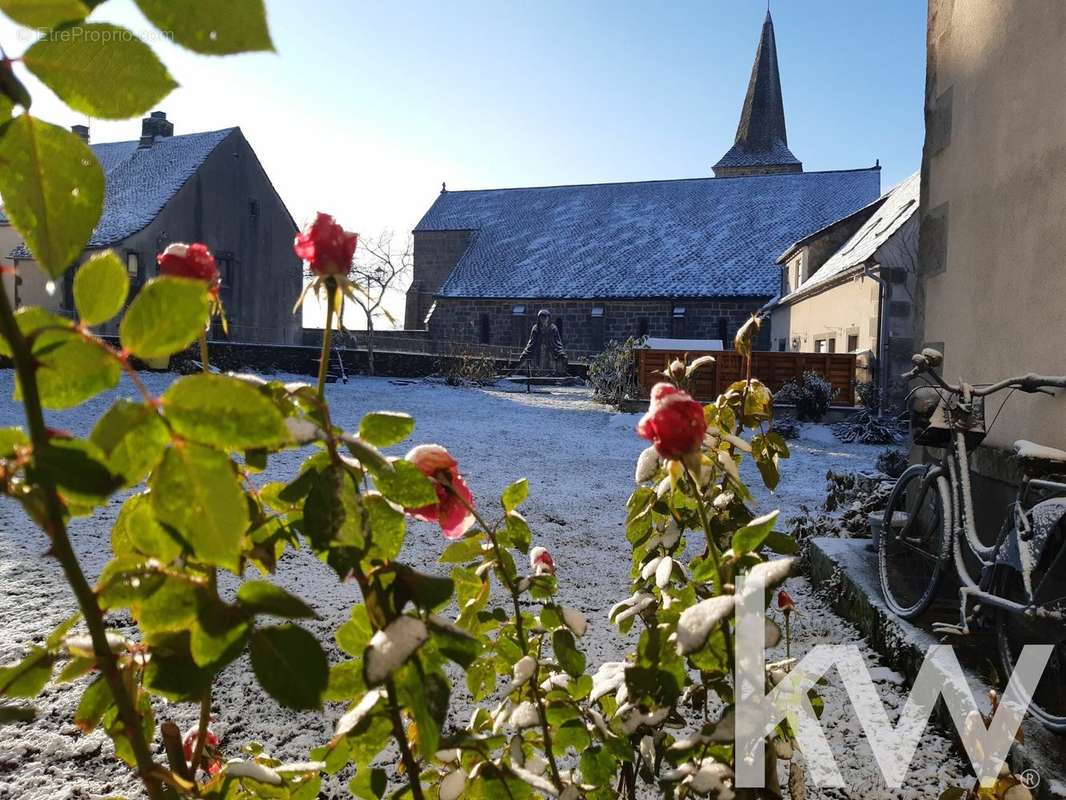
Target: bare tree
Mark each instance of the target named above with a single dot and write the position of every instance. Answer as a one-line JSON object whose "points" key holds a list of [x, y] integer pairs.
{"points": [[377, 269]]}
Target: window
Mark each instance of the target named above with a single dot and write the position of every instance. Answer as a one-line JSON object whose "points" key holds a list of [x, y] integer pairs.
{"points": [[782, 345], [821, 345], [596, 326], [597, 311], [677, 322], [133, 265], [518, 311], [642, 327], [853, 342], [519, 331], [723, 331], [484, 330], [832, 345]]}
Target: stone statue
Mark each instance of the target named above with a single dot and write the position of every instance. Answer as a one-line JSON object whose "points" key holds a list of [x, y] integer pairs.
{"points": [[544, 352]]}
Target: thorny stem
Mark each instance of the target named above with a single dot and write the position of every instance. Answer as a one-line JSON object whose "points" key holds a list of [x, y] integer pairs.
{"points": [[327, 334], [512, 588], [203, 352], [55, 527], [409, 763], [205, 700]]}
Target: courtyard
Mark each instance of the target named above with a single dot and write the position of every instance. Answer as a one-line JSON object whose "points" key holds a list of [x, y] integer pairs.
{"points": [[579, 458]]}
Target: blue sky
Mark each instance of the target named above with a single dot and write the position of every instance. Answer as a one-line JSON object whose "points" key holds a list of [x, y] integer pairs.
{"points": [[368, 106]]}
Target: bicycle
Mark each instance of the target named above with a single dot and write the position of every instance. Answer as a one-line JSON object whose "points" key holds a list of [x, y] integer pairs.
{"points": [[929, 529]]}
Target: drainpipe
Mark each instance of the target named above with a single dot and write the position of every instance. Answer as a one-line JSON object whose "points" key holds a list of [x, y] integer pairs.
{"points": [[882, 331]]}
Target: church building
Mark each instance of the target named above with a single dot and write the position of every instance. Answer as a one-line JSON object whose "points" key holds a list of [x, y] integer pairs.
{"points": [[688, 259]]}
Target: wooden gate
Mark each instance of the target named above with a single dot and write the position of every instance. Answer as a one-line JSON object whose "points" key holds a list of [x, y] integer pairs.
{"points": [[773, 369]]}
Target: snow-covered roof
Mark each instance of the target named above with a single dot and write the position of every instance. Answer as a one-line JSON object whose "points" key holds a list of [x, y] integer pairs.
{"points": [[701, 237], [899, 205], [141, 181]]}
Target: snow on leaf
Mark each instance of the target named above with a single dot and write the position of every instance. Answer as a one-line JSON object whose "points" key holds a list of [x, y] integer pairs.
{"points": [[650, 567], [525, 715], [390, 648], [647, 465], [608, 677], [575, 621], [250, 769], [769, 574], [712, 778], [663, 572], [358, 712], [538, 782], [697, 622], [451, 788]]}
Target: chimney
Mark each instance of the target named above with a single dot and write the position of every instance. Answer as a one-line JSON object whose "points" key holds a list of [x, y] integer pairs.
{"points": [[155, 126], [82, 132]]}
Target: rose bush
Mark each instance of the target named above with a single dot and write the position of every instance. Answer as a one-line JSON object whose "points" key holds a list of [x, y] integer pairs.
{"points": [[189, 465]]}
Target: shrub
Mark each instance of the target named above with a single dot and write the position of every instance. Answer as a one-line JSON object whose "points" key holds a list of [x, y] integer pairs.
{"points": [[467, 369], [811, 396], [892, 462], [868, 394], [866, 428], [786, 426], [613, 373]]}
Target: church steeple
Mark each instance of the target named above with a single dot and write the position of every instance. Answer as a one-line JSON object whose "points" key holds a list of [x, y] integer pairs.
{"points": [[761, 146]]}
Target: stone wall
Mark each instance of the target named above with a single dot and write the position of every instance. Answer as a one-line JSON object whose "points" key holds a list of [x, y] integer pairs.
{"points": [[495, 323], [435, 256]]}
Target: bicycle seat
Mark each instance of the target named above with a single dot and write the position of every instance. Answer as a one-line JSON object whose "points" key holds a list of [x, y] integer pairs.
{"points": [[1039, 458]]}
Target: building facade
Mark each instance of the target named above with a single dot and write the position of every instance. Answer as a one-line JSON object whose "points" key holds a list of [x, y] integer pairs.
{"points": [[680, 259], [201, 187], [849, 288], [993, 243]]}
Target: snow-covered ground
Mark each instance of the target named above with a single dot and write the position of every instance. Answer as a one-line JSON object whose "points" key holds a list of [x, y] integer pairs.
{"points": [[579, 460]]}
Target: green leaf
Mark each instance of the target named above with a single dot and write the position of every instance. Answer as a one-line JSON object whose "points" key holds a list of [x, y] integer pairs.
{"points": [[781, 543], [463, 551], [428, 592], [137, 526], [53, 190], [211, 27], [196, 492], [263, 597], [750, 538], [10, 714], [76, 467], [10, 440], [133, 438], [28, 677], [481, 678], [354, 635], [101, 70], [387, 528], [516, 532], [165, 317], [290, 665], [566, 652], [384, 428], [514, 495], [219, 634], [44, 14], [597, 766], [31, 321], [405, 485], [171, 607], [94, 703], [369, 783], [100, 288], [71, 370], [224, 412], [425, 697], [454, 643]]}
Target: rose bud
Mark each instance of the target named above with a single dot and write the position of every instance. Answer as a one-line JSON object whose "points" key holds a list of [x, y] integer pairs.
{"points": [[785, 602], [452, 511], [674, 422], [326, 247], [189, 261], [540, 561]]}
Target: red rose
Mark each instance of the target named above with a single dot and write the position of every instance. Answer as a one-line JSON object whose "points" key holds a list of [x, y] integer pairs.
{"points": [[785, 602], [674, 422], [211, 761], [189, 261], [326, 246], [454, 500]]}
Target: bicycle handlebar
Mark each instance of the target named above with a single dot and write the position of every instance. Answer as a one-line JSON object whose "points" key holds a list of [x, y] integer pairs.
{"points": [[1030, 382]]}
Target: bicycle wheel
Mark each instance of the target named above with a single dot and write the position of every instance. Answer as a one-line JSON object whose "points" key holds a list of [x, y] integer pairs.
{"points": [[1014, 631], [911, 558]]}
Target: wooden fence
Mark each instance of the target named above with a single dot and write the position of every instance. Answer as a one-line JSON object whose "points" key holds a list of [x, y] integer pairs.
{"points": [[772, 368]]}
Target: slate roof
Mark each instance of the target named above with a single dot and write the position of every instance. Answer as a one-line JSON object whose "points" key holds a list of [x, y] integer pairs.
{"points": [[140, 182], [702, 237], [761, 136], [897, 206]]}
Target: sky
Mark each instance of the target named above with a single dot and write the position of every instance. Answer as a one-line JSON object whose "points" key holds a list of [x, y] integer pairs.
{"points": [[368, 106]]}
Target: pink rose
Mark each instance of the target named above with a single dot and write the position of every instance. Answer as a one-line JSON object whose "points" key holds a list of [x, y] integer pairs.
{"points": [[674, 422], [541, 562], [452, 511], [189, 261]]}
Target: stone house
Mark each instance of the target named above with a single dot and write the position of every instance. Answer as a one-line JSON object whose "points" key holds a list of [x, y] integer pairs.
{"points": [[208, 187], [849, 288], [688, 259], [992, 272]]}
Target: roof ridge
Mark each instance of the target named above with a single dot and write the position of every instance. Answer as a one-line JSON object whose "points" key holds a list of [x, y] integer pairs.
{"points": [[175, 136], [657, 180]]}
